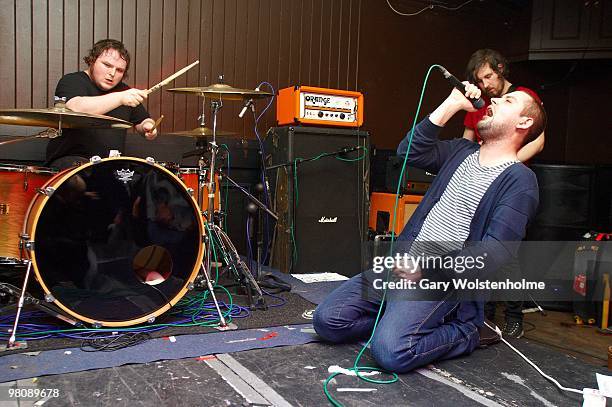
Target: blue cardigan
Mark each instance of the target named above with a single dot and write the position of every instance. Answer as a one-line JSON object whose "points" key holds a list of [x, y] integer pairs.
{"points": [[501, 219]]}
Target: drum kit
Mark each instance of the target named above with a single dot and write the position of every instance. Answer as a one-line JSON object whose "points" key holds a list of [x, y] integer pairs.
{"points": [[118, 241]]}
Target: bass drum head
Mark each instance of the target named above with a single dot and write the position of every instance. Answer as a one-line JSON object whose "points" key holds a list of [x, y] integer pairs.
{"points": [[117, 242]]}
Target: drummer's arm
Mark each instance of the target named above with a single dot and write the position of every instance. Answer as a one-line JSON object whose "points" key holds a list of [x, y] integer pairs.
{"points": [[105, 103], [145, 127]]}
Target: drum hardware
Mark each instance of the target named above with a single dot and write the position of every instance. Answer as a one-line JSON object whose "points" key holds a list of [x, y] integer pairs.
{"points": [[48, 191], [240, 270], [26, 298], [47, 133], [207, 168]]}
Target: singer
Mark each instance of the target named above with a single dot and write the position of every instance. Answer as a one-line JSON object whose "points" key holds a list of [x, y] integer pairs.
{"points": [[481, 201]]}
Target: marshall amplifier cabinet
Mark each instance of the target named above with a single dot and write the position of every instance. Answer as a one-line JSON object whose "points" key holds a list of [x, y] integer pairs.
{"points": [[323, 206], [319, 106]]}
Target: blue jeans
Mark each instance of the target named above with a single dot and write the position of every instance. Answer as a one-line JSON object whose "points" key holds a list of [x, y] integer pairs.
{"points": [[410, 333]]}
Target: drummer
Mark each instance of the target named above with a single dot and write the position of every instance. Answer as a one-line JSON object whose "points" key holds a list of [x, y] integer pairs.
{"points": [[99, 90]]}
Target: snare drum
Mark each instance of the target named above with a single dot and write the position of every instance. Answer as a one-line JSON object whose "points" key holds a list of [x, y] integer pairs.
{"points": [[189, 176], [18, 184], [115, 242]]}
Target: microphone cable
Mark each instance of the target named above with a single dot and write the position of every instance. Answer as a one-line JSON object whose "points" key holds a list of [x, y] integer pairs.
{"points": [[356, 368]]}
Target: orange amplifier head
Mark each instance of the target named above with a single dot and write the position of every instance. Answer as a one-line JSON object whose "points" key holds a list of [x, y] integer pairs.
{"points": [[319, 106]]}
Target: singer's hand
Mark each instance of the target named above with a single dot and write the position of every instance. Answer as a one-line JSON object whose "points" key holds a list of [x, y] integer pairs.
{"points": [[461, 100]]}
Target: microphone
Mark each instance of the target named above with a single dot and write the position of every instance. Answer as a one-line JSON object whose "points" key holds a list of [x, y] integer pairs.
{"points": [[477, 103], [247, 104]]}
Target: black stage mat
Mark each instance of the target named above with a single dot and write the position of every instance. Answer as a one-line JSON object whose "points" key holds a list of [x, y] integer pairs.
{"points": [[288, 314]]}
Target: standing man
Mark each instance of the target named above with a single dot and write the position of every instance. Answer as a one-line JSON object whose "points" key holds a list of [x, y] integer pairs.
{"points": [[480, 202], [489, 70], [99, 90]]}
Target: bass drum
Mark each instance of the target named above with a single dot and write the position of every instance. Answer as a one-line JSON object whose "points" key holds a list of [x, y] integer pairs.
{"points": [[115, 242]]}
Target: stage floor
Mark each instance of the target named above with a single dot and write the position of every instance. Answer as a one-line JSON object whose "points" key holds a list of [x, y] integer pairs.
{"points": [[282, 363]]}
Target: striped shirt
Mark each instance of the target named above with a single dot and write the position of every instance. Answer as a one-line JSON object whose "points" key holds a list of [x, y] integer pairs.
{"points": [[447, 225]]}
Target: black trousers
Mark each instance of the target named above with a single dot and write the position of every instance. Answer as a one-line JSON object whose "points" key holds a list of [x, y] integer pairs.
{"points": [[513, 310]]}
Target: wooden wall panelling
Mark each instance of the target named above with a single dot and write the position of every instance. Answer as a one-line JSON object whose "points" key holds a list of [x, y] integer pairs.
{"points": [[168, 51], [206, 44], [56, 46], [23, 53], [227, 117], [344, 44], [325, 45], [39, 56], [72, 62], [294, 39], [100, 22], [86, 35], [128, 34], [7, 50], [155, 62], [334, 43], [259, 50], [193, 54], [352, 70], [316, 42], [115, 18], [180, 61], [305, 44]]}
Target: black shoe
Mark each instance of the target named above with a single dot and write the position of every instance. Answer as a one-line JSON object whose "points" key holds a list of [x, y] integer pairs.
{"points": [[513, 329], [488, 336]]}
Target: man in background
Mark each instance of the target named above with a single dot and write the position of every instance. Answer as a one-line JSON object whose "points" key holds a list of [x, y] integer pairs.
{"points": [[489, 70]]}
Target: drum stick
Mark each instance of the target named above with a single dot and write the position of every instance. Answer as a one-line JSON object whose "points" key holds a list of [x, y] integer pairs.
{"points": [[171, 78], [157, 122]]}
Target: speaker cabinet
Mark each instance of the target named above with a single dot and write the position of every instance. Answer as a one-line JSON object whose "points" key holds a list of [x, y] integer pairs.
{"points": [[381, 211], [565, 195], [320, 179]]}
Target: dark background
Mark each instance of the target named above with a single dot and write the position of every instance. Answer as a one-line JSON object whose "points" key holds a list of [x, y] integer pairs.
{"points": [[349, 44]]}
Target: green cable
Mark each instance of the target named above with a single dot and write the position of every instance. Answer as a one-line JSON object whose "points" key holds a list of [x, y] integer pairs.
{"points": [[364, 155], [355, 367]]}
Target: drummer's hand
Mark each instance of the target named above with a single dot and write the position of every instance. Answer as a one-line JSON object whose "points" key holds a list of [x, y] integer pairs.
{"points": [[133, 97], [147, 125]]}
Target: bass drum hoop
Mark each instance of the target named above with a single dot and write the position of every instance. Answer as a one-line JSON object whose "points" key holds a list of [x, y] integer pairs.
{"points": [[38, 205]]}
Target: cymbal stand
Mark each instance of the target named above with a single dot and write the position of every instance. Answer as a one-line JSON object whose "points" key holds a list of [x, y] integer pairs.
{"points": [[229, 252], [47, 133]]}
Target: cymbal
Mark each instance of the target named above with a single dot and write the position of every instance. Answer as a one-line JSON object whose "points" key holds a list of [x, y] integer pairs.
{"points": [[223, 91], [200, 132], [52, 116]]}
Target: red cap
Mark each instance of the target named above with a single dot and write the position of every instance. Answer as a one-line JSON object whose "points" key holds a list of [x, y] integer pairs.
{"points": [[531, 93]]}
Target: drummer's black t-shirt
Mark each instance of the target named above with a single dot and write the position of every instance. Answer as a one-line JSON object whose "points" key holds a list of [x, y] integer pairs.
{"points": [[90, 142]]}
